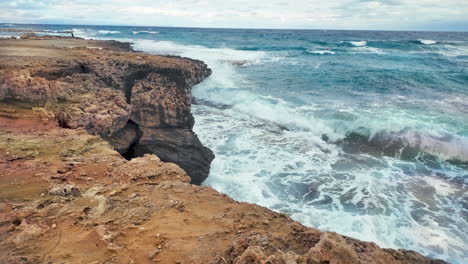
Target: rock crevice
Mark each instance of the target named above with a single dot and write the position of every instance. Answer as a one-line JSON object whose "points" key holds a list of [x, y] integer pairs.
{"points": [[140, 103]]}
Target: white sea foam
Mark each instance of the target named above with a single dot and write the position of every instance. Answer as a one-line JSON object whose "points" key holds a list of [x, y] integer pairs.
{"points": [[321, 52], [358, 43], [81, 32], [144, 31], [452, 148], [285, 169], [365, 49], [108, 32], [427, 41]]}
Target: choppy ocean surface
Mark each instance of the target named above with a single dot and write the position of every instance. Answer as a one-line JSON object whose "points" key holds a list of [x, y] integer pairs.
{"points": [[364, 133]]}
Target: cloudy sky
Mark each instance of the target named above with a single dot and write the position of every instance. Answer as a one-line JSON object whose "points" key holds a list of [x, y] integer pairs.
{"points": [[310, 14]]}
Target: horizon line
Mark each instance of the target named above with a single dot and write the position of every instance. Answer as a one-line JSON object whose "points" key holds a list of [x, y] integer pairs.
{"points": [[311, 29]]}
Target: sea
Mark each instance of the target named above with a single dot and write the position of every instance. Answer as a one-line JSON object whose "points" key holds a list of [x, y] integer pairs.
{"points": [[364, 133]]}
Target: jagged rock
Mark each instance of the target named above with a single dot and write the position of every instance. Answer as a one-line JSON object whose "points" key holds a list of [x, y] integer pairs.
{"points": [[125, 138], [120, 96], [180, 146], [149, 168]]}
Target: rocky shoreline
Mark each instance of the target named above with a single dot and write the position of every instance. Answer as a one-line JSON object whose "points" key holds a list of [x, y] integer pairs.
{"points": [[139, 103], [97, 154]]}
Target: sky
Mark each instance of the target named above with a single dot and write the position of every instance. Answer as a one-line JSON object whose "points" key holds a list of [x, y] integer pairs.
{"points": [[432, 15]]}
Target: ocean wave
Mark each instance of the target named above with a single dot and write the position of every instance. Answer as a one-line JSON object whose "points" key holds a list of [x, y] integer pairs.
{"points": [[144, 32], [427, 41], [105, 32], [453, 51], [80, 32], [365, 197], [321, 52], [347, 43], [358, 43], [408, 145], [365, 49], [215, 57]]}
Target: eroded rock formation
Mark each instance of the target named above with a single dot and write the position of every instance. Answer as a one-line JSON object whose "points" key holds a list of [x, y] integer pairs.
{"points": [[138, 102]]}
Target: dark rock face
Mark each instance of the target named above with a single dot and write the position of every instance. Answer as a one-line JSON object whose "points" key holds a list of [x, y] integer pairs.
{"points": [[180, 146], [139, 103], [124, 139]]}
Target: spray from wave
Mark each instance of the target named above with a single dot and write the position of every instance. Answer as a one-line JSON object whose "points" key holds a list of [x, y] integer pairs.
{"points": [[427, 41], [145, 32], [358, 43], [321, 52], [106, 32]]}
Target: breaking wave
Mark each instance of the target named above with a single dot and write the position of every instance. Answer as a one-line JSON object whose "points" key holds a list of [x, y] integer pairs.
{"points": [[321, 52], [427, 41], [145, 32], [106, 32], [358, 43], [408, 145]]}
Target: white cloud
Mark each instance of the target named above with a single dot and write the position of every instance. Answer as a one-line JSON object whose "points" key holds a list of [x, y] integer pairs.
{"points": [[334, 14]]}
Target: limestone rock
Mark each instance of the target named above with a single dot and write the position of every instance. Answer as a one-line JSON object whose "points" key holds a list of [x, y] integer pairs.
{"points": [[113, 94], [180, 146]]}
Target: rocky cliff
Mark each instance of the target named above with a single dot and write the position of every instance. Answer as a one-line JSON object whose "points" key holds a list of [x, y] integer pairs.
{"points": [[66, 196], [140, 103]]}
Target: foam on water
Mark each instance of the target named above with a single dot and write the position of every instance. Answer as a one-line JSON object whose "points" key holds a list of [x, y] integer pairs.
{"points": [[80, 32], [358, 43], [445, 146], [428, 41], [144, 31], [320, 185], [321, 52], [364, 49], [108, 32], [214, 55]]}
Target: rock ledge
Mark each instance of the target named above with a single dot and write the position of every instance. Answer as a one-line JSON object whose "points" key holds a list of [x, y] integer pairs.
{"points": [[140, 103]]}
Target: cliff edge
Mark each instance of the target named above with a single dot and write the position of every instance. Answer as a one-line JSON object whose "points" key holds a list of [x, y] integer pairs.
{"points": [[68, 196], [139, 103]]}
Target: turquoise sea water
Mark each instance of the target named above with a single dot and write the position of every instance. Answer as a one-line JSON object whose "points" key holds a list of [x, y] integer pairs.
{"points": [[364, 133]]}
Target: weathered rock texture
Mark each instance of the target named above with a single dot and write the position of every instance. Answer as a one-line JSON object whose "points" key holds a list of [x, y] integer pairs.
{"points": [[138, 102], [67, 197]]}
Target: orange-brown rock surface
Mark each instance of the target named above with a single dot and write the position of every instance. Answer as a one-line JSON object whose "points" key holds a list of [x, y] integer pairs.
{"points": [[131, 99], [66, 196]]}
